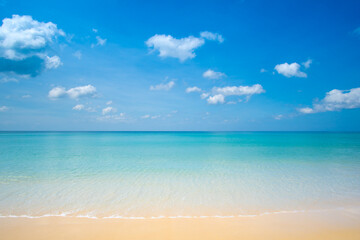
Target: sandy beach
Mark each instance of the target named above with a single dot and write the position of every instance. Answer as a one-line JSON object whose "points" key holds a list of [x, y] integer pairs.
{"points": [[326, 226]]}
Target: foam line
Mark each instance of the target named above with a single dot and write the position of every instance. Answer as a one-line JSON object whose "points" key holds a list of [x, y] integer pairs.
{"points": [[89, 216]]}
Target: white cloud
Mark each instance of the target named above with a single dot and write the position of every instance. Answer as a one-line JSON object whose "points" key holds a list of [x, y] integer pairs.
{"points": [[240, 90], [24, 45], [212, 36], [204, 95], [78, 54], [307, 63], [163, 86], [6, 79], [12, 76], [219, 98], [335, 100], [108, 110], [21, 36], [94, 30], [52, 62], [290, 70], [263, 70], [3, 108], [278, 117], [73, 93], [218, 94], [57, 92], [109, 102], [100, 42], [169, 46], [26, 96], [78, 107], [211, 74], [306, 110], [193, 89], [81, 91], [113, 118], [146, 116]]}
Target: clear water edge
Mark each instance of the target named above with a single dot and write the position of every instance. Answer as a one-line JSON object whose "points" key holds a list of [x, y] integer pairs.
{"points": [[147, 175]]}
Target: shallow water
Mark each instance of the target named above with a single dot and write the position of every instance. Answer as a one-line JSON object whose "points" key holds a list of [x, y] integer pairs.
{"points": [[152, 174]]}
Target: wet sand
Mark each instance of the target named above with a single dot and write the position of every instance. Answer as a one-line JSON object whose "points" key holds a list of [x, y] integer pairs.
{"points": [[327, 226]]}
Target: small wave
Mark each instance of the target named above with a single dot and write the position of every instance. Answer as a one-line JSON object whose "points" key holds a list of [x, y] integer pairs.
{"points": [[89, 216]]}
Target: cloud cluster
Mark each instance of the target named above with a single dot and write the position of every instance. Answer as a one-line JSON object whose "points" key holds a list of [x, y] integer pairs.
{"points": [[290, 70], [218, 94], [121, 117], [182, 48], [74, 93], [240, 90], [211, 74], [335, 100], [25, 43], [163, 86]]}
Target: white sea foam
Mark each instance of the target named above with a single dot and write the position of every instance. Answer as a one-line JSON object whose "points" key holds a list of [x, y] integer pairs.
{"points": [[91, 216]]}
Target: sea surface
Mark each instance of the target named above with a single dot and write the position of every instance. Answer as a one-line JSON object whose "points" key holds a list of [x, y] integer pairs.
{"points": [[177, 174]]}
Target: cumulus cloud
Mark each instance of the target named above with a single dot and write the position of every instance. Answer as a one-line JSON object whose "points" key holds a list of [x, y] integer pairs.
{"points": [[78, 107], [109, 102], [24, 45], [145, 116], [3, 108], [163, 86], [290, 70], [263, 70], [211, 74], [219, 98], [335, 100], [73, 93], [240, 90], [169, 46], [218, 94], [212, 36], [193, 89], [182, 48], [108, 110]]}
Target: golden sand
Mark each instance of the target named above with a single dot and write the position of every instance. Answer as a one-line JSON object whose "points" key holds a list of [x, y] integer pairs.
{"points": [[329, 226]]}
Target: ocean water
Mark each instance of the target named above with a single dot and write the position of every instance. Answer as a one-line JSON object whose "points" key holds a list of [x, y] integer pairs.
{"points": [[176, 174]]}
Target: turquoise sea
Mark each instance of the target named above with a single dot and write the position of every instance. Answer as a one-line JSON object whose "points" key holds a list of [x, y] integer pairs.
{"points": [[176, 174]]}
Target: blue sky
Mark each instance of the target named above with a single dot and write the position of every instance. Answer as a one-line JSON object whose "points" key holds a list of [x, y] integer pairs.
{"points": [[180, 65]]}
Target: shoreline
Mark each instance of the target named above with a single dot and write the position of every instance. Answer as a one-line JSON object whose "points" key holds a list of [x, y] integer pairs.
{"points": [[315, 225], [70, 214]]}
